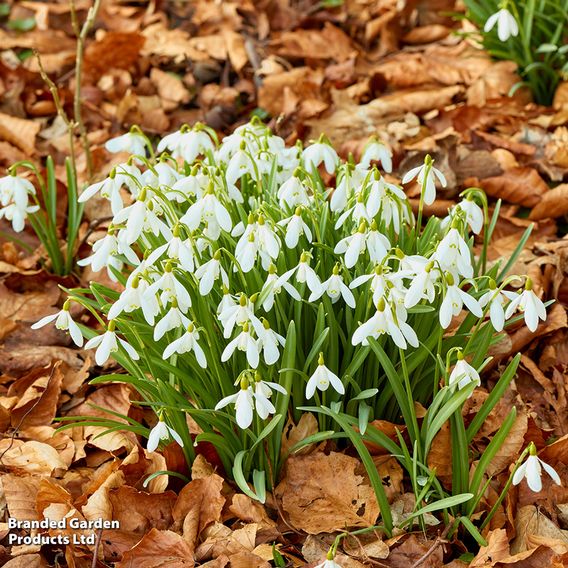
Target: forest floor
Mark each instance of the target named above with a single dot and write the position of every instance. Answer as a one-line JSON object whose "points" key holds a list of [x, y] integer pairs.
{"points": [[402, 70]]}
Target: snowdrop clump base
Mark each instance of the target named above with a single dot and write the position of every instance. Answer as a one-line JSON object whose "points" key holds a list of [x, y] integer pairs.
{"points": [[260, 281]]}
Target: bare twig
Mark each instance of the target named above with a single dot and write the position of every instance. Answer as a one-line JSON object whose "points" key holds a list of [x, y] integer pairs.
{"points": [[439, 540], [82, 34], [97, 545]]}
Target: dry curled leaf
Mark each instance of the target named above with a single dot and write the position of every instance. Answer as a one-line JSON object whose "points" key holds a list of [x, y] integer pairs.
{"points": [[322, 493], [553, 204]]}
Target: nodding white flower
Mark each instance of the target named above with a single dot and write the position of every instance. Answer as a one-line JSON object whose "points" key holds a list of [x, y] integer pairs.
{"points": [[193, 185], [531, 470], [293, 193], [105, 253], [161, 174], [129, 175], [295, 228], [109, 188], [240, 164], [473, 215], [133, 142], [239, 314], [187, 144], [496, 300], [63, 321], [354, 245], [269, 341], [382, 282], [210, 211], [132, 298], [426, 175], [335, 288], [506, 24], [209, 272], [173, 319], [15, 189], [273, 285], [328, 563], [384, 322], [141, 216], [178, 249], [257, 239], [453, 302], [463, 374], [350, 180], [423, 283], [108, 343], [243, 342], [171, 289], [320, 152], [378, 151], [321, 378], [186, 343], [529, 303], [161, 431], [262, 394], [17, 215], [244, 404], [453, 254], [304, 273], [357, 213]]}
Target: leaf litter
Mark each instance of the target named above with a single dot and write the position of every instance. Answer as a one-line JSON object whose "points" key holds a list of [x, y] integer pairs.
{"points": [[349, 69]]}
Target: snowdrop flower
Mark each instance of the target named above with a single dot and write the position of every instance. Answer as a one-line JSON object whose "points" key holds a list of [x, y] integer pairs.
{"points": [[426, 175], [209, 272], [186, 343], [531, 470], [109, 188], [320, 152], [473, 214], [104, 253], [161, 431], [173, 319], [328, 563], [304, 273], [293, 192], [506, 24], [240, 164], [187, 143], [269, 341], [178, 249], [273, 285], [239, 314], [377, 150], [244, 404], [453, 302], [335, 288], [423, 284], [463, 374], [16, 189], [108, 343], [354, 245], [17, 215], [453, 254], [357, 213], [295, 228], [381, 282], [322, 378], [193, 185], [350, 180], [63, 321], [243, 342], [496, 300], [384, 322], [133, 142], [132, 298], [529, 303], [210, 211], [171, 288], [262, 394], [161, 174]]}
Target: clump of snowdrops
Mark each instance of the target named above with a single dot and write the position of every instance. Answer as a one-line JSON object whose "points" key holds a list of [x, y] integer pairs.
{"points": [[255, 290], [532, 33]]}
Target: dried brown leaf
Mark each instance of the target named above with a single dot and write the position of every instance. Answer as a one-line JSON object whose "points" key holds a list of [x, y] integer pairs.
{"points": [[322, 493], [553, 204]]}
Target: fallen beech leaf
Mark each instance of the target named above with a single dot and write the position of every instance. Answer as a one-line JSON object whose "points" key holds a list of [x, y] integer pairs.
{"points": [[412, 550], [522, 186], [248, 560], [249, 511], [295, 433], [138, 511], [497, 549], [553, 204], [199, 504], [322, 493], [19, 131], [221, 540], [511, 447], [440, 455], [27, 561], [158, 549], [22, 359], [99, 505], [169, 87], [21, 494], [531, 522], [37, 404], [30, 457], [235, 45]]}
